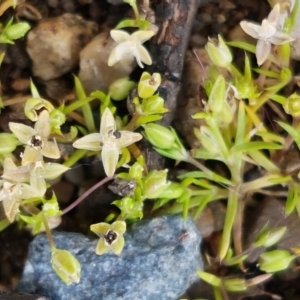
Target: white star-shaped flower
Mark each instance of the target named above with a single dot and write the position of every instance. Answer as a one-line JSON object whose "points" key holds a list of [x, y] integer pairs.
{"points": [[36, 139], [267, 34], [109, 140], [130, 45]]}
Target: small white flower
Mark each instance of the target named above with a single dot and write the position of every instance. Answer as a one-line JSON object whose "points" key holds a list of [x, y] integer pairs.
{"points": [[267, 34], [130, 45], [36, 139], [109, 140], [11, 195]]}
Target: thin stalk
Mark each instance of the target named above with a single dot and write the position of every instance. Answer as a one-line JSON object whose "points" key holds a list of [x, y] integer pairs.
{"points": [[48, 231], [217, 293], [86, 193], [131, 126], [213, 176]]}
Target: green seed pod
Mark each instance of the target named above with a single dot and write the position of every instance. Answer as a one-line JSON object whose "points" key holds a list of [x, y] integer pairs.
{"points": [[292, 105], [66, 266], [155, 183], [16, 31], [159, 136], [274, 261], [219, 53], [154, 105], [120, 88]]}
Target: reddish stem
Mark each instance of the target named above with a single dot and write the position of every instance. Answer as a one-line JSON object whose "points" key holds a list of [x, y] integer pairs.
{"points": [[86, 193]]}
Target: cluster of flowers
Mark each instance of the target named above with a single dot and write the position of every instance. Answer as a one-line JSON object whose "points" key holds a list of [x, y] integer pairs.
{"points": [[28, 180]]}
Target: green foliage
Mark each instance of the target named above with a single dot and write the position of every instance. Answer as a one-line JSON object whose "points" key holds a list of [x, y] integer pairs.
{"points": [[232, 134]]}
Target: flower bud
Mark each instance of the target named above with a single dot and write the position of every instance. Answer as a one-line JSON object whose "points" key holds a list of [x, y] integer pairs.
{"points": [[57, 118], [235, 284], [154, 105], [148, 84], [16, 31], [51, 207], [120, 88], [155, 183], [270, 237], [292, 105], [66, 266], [219, 53], [226, 115], [207, 139], [274, 261], [217, 96], [35, 104], [159, 136], [173, 191]]}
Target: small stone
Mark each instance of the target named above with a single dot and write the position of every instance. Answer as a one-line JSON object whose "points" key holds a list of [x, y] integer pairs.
{"points": [[95, 74], [159, 261], [54, 44]]}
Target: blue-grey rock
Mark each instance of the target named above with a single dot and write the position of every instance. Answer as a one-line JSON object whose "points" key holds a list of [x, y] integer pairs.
{"points": [[159, 261]]}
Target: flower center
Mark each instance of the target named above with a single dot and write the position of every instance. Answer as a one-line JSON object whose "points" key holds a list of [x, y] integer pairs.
{"points": [[110, 237], [36, 141], [117, 134]]}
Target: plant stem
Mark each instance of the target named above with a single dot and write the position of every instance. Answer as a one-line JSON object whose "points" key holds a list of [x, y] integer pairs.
{"points": [[86, 193], [48, 231], [232, 205], [76, 155], [131, 126]]}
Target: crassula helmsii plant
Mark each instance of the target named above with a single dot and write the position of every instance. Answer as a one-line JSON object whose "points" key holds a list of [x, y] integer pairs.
{"points": [[25, 178], [233, 133]]}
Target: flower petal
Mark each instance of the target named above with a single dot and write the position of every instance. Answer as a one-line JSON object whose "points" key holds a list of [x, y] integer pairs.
{"points": [[100, 228], [89, 142], [102, 247], [30, 155], [251, 28], [11, 208], [274, 14], [118, 245], [263, 49], [267, 30], [142, 36], [143, 55], [9, 165], [22, 132], [53, 170], [50, 149], [27, 191], [110, 156], [127, 138], [42, 125], [119, 52], [119, 36], [38, 183], [14, 173], [107, 122], [280, 38], [119, 227]]}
